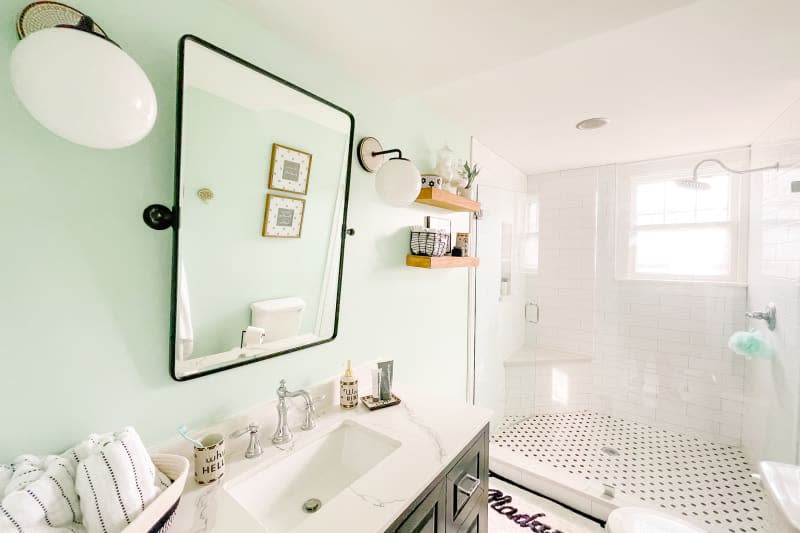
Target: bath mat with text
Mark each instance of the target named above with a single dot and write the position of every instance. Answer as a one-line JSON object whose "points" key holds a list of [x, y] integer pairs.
{"points": [[515, 510]]}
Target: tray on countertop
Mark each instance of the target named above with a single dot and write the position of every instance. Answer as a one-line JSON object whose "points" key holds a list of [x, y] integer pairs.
{"points": [[373, 403]]}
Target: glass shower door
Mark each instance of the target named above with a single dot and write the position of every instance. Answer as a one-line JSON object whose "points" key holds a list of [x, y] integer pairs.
{"points": [[499, 296]]}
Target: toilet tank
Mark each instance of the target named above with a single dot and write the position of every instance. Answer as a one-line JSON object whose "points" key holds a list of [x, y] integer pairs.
{"points": [[280, 317]]}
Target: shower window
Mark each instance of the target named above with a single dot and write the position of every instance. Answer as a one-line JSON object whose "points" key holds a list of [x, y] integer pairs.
{"points": [[529, 250], [666, 232]]}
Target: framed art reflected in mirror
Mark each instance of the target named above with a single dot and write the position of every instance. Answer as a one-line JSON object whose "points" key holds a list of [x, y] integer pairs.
{"points": [[283, 216], [289, 169]]}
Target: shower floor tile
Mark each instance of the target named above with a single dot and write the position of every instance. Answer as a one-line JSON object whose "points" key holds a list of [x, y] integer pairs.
{"points": [[709, 483]]}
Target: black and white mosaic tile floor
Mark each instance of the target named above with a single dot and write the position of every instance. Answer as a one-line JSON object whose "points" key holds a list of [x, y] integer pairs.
{"points": [[708, 482]]}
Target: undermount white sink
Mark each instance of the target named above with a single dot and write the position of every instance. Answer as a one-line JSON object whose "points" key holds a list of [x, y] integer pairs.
{"points": [[275, 495]]}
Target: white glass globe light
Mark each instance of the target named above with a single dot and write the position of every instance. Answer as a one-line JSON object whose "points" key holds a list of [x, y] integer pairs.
{"points": [[398, 182], [83, 88]]}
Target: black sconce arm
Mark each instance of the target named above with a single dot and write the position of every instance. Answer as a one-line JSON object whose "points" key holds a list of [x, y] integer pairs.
{"points": [[392, 151]]}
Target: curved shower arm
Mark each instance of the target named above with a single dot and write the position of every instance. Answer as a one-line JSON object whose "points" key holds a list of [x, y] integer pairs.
{"points": [[776, 166]]}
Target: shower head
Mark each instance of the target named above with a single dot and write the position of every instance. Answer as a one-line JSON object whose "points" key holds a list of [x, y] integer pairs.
{"points": [[695, 184]]}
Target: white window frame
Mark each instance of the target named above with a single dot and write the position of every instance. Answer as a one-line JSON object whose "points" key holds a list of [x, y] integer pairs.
{"points": [[631, 174]]}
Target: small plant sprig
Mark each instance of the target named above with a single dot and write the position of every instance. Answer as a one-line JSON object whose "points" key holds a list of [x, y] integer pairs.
{"points": [[469, 173]]}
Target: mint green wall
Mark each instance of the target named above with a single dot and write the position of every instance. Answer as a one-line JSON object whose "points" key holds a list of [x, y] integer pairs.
{"points": [[228, 263], [84, 320]]}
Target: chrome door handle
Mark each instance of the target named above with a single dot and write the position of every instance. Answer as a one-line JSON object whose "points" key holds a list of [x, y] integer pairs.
{"points": [[470, 491]]}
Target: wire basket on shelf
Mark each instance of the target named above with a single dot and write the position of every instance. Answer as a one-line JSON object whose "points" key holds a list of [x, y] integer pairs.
{"points": [[430, 242]]}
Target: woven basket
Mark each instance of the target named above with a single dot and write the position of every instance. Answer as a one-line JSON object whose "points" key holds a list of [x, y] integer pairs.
{"points": [[159, 515], [430, 242]]}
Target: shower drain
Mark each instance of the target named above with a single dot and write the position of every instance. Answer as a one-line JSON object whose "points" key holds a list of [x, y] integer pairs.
{"points": [[611, 452]]}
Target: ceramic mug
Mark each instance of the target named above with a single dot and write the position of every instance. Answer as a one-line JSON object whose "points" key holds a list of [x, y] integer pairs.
{"points": [[209, 461], [431, 181]]}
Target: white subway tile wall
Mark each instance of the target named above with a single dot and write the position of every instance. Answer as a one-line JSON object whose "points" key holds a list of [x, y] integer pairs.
{"points": [[559, 386], [520, 389], [564, 286], [658, 350]]}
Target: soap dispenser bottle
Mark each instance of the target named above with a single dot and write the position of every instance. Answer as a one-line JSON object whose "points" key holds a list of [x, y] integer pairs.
{"points": [[348, 389]]}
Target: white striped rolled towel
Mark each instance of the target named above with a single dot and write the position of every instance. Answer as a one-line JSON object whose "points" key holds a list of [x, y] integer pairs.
{"points": [[115, 480], [37, 494]]}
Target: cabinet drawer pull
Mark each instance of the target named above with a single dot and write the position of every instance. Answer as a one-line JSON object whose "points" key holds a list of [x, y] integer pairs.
{"points": [[470, 491]]}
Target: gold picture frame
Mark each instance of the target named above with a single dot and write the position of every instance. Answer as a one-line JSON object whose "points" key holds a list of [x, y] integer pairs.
{"points": [[283, 217], [289, 169]]}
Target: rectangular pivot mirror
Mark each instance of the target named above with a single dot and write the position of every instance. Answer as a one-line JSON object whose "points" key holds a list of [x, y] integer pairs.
{"points": [[263, 172]]}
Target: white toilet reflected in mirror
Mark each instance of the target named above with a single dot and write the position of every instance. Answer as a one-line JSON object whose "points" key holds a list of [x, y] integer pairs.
{"points": [[280, 318]]}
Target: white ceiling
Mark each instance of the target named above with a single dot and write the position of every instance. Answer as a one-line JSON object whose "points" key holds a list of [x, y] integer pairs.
{"points": [[674, 76]]}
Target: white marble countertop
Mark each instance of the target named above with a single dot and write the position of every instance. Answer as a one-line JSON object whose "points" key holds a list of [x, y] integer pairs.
{"points": [[432, 432]]}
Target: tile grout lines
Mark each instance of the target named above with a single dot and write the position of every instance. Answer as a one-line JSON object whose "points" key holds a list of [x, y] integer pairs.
{"points": [[708, 482]]}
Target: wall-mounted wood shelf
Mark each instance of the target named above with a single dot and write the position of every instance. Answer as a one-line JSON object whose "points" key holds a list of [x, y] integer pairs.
{"points": [[445, 261], [447, 200]]}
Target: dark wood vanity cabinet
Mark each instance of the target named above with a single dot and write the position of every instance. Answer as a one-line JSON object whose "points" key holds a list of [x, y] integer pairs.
{"points": [[428, 516], [456, 502]]}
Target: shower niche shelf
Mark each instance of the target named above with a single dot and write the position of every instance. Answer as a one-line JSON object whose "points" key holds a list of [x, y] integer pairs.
{"points": [[447, 200], [445, 261]]}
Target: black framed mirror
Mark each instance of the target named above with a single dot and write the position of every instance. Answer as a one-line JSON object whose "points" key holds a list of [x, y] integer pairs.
{"points": [[261, 190]]}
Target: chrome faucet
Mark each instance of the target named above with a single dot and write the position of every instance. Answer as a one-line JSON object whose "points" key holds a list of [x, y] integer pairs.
{"points": [[283, 435]]}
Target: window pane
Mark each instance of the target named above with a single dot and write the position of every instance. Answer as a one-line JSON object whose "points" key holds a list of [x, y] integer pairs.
{"points": [[680, 205], [530, 252], [713, 204], [712, 215], [683, 252], [649, 203], [532, 222], [676, 216], [666, 231], [664, 202], [647, 220]]}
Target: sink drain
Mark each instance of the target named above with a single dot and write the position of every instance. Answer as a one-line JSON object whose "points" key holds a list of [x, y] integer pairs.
{"points": [[311, 505], [608, 450]]}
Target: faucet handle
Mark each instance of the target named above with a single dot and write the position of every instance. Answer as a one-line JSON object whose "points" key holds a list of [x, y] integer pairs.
{"points": [[310, 421], [254, 447], [317, 399], [252, 427]]}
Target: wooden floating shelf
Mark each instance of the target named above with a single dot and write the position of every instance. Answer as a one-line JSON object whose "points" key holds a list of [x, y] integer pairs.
{"points": [[447, 200], [445, 261]]}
